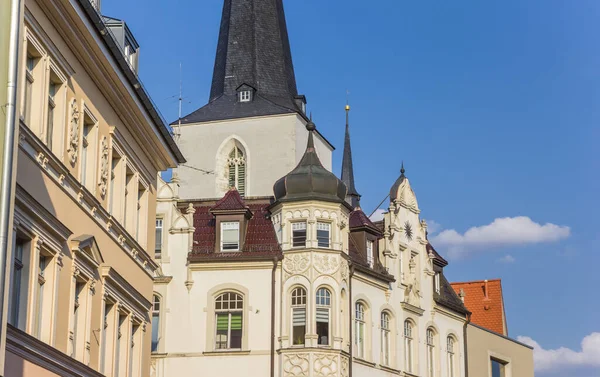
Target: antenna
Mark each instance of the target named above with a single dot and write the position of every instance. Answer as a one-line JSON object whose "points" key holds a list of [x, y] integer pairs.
{"points": [[180, 99]]}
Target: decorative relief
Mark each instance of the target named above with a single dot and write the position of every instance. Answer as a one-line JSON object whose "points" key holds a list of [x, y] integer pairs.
{"points": [[326, 264], [325, 365], [344, 271], [73, 133], [344, 369], [296, 365], [104, 171], [296, 264]]}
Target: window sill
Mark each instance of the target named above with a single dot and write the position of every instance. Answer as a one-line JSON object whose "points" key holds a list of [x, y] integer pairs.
{"points": [[389, 369], [364, 362], [410, 374], [227, 353]]}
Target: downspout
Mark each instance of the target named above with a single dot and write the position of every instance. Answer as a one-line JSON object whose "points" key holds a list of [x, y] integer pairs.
{"points": [[465, 341], [350, 321], [6, 188], [273, 280]]}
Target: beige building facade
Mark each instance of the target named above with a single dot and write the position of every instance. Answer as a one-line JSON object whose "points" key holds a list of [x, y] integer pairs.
{"points": [[90, 147]]}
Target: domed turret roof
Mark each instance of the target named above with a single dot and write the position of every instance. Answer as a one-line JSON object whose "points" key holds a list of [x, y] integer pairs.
{"points": [[310, 180]]}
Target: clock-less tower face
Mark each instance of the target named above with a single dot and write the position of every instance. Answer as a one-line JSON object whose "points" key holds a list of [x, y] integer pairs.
{"points": [[408, 231]]}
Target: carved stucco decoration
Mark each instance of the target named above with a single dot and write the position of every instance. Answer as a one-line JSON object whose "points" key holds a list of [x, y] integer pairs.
{"points": [[73, 133], [296, 365], [103, 184], [344, 369], [326, 264], [296, 264], [344, 271], [325, 365]]}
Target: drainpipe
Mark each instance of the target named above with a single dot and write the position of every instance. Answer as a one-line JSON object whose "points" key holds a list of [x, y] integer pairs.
{"points": [[12, 17], [350, 321], [465, 341], [275, 262]]}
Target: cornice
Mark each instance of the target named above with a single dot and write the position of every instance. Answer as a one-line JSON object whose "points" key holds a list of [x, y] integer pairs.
{"points": [[232, 265], [39, 153], [118, 286], [411, 308]]}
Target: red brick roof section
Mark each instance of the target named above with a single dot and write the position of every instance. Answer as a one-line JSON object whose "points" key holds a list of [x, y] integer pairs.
{"points": [[231, 201], [359, 219], [261, 240], [487, 312]]}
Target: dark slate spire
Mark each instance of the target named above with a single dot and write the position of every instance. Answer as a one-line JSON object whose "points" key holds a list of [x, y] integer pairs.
{"points": [[353, 197], [253, 51]]}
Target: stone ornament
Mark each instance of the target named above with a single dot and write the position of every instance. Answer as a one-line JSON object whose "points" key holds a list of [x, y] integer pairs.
{"points": [[73, 133], [326, 264], [344, 370], [296, 365], [103, 184], [296, 264], [325, 365]]}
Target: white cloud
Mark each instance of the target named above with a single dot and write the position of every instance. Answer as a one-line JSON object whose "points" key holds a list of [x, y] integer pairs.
{"points": [[562, 358], [506, 231], [433, 226], [378, 215], [507, 259]]}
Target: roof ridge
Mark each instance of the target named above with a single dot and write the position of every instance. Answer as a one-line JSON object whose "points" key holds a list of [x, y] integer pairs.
{"points": [[476, 281]]}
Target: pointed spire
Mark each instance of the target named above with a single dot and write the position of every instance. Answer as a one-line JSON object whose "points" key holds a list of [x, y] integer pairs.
{"points": [[402, 171], [353, 197]]}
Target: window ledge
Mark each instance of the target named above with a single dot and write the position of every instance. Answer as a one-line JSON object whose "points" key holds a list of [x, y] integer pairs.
{"points": [[364, 362], [158, 355], [410, 374], [227, 353], [389, 369]]}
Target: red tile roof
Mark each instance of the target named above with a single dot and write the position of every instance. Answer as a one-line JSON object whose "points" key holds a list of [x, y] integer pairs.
{"points": [[487, 312], [359, 219], [231, 201]]}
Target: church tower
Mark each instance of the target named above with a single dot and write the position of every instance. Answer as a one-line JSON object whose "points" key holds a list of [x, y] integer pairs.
{"points": [[353, 197], [252, 131]]}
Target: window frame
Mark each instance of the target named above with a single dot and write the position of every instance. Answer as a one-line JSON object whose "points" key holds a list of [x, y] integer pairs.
{"points": [[245, 95], [223, 225], [436, 283], [155, 313], [371, 253], [409, 351], [430, 340], [298, 302], [360, 315], [236, 167], [451, 353], [294, 224], [229, 313], [327, 225], [158, 243], [386, 334], [323, 305]]}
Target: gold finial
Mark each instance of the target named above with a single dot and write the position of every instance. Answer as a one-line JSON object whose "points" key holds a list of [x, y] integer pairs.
{"points": [[347, 104], [347, 107]]}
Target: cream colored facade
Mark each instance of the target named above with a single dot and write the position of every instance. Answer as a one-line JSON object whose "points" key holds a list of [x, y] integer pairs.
{"points": [[483, 346], [82, 248]]}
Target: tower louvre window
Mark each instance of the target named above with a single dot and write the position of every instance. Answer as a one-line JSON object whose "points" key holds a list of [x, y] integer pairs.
{"points": [[237, 170]]}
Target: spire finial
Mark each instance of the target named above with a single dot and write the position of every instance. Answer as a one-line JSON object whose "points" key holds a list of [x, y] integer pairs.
{"points": [[347, 103], [402, 171]]}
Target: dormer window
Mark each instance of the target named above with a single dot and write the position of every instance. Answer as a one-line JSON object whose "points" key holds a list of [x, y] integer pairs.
{"points": [[370, 259], [230, 236], [436, 282], [245, 96]]}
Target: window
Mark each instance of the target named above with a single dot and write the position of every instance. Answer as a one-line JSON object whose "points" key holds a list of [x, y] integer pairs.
{"points": [[155, 322], [158, 239], [114, 174], [359, 330], [134, 360], [141, 218], [130, 54], [121, 346], [323, 232], [385, 338], [237, 170], [430, 353], [129, 187], [27, 95], [52, 88], [323, 303], [19, 283], [229, 311], [451, 357], [88, 167], [298, 316], [408, 347], [78, 320], [370, 259], [245, 96], [498, 368], [299, 234], [230, 236], [39, 305], [105, 329], [436, 282]]}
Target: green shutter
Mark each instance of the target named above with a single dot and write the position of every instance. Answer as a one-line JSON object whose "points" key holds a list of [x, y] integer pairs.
{"points": [[222, 321], [236, 321]]}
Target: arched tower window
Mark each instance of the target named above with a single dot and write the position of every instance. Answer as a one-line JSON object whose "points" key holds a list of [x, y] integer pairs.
{"points": [[323, 311], [298, 315], [228, 310], [236, 163]]}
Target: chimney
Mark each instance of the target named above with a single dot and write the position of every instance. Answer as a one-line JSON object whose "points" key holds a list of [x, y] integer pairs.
{"points": [[485, 292], [462, 295]]}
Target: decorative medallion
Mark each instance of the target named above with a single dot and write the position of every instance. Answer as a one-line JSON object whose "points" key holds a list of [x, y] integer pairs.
{"points": [[73, 133], [296, 264], [326, 264], [103, 184], [408, 231]]}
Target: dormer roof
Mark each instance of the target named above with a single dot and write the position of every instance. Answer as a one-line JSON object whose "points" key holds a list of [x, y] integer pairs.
{"points": [[231, 202]]}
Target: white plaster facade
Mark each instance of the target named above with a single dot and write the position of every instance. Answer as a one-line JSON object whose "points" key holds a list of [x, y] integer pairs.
{"points": [[273, 145], [188, 290]]}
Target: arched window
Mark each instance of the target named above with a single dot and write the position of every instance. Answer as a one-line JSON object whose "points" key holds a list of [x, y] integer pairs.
{"points": [[450, 345], [430, 353], [237, 170], [229, 315], [298, 316], [155, 322], [385, 338], [323, 304], [408, 346], [359, 329]]}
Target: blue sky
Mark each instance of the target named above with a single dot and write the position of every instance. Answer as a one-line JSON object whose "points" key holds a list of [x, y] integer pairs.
{"points": [[493, 106]]}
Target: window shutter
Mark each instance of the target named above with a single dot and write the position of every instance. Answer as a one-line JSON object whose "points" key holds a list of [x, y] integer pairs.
{"points": [[222, 321], [323, 315], [299, 316], [241, 184], [236, 321]]}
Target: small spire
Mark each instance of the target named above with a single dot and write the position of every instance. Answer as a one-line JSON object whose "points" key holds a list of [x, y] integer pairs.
{"points": [[402, 171], [352, 197]]}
